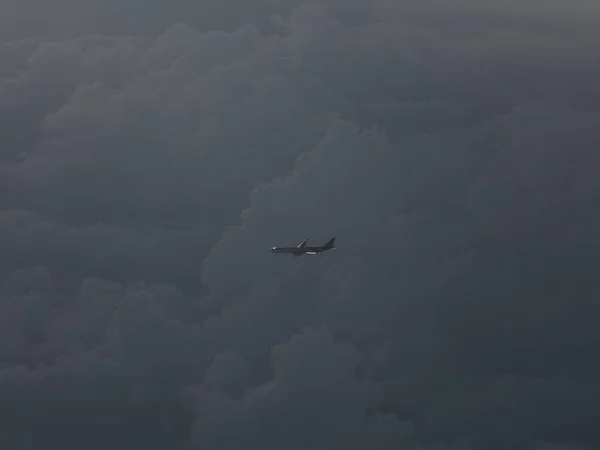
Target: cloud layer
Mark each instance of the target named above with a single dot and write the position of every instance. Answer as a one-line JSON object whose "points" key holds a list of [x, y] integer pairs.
{"points": [[451, 151]]}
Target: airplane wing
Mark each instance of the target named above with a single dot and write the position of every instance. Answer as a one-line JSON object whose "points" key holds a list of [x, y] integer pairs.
{"points": [[303, 243]]}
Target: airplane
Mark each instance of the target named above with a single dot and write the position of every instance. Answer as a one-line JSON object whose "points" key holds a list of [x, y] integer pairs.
{"points": [[302, 249]]}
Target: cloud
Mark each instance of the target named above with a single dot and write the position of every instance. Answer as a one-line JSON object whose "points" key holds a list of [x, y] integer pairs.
{"points": [[308, 370], [425, 276], [68, 18], [451, 151]]}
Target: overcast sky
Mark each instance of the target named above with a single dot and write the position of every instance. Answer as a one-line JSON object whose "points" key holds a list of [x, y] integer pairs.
{"points": [[152, 152]]}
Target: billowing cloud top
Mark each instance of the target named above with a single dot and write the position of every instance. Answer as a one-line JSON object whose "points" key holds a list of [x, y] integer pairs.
{"points": [[150, 155]]}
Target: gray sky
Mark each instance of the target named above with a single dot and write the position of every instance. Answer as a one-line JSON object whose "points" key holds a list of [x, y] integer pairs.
{"points": [[150, 154]]}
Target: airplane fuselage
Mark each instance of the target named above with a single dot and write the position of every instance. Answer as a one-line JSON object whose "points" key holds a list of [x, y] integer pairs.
{"points": [[298, 250], [302, 249]]}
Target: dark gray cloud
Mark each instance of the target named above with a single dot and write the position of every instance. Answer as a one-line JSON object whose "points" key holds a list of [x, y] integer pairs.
{"points": [[147, 165], [68, 18]]}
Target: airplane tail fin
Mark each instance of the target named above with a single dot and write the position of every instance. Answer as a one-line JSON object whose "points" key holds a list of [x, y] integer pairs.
{"points": [[329, 244]]}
